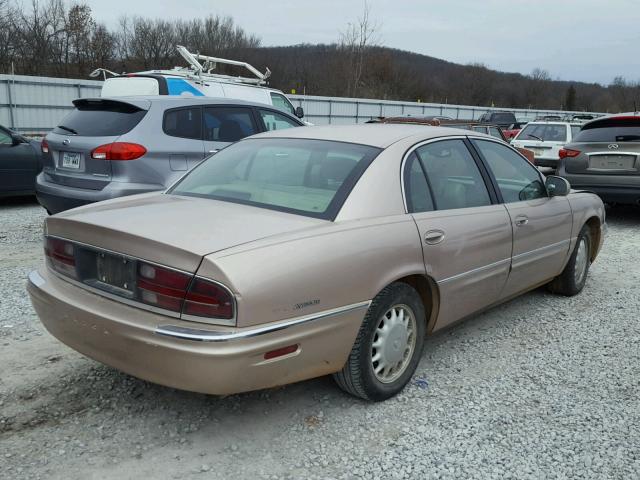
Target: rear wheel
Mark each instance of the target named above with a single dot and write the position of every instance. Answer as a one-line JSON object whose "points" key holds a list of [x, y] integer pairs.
{"points": [[388, 346], [572, 279]]}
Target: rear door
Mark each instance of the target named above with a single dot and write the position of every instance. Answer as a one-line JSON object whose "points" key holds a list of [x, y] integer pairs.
{"points": [[224, 125], [93, 123], [466, 235], [541, 224], [18, 164]]}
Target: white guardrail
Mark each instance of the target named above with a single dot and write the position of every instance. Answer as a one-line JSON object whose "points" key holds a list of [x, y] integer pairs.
{"points": [[36, 105]]}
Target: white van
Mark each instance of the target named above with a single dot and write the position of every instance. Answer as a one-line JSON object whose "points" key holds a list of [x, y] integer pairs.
{"points": [[197, 80]]}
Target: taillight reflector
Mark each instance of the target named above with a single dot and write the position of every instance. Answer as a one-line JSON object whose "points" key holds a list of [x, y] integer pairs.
{"points": [[281, 352], [44, 146], [118, 151], [567, 152]]}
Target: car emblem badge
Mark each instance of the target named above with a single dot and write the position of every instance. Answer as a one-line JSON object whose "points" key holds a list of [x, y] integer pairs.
{"points": [[613, 146], [66, 141]]}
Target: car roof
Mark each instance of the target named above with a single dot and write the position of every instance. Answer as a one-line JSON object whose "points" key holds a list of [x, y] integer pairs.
{"points": [[373, 134], [175, 100]]}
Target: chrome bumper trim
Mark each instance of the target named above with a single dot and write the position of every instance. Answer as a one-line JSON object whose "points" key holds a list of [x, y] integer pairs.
{"points": [[36, 278], [200, 335]]}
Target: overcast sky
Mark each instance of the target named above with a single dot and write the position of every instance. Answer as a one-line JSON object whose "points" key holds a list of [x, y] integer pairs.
{"points": [[587, 40]]}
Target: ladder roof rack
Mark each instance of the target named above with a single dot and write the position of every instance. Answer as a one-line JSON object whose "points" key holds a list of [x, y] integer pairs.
{"points": [[203, 70]]}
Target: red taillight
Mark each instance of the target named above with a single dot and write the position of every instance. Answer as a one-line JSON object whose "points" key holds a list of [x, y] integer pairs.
{"points": [[161, 287], [60, 256], [208, 299], [118, 151], [567, 152], [44, 146]]}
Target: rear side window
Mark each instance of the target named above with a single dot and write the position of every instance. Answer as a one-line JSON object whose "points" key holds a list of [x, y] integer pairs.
{"points": [[183, 122], [610, 131], [228, 124], [454, 177], [281, 103], [100, 119], [416, 187], [546, 132]]}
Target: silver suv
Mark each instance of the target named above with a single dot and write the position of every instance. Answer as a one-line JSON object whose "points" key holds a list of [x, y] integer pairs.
{"points": [[111, 147], [605, 158]]}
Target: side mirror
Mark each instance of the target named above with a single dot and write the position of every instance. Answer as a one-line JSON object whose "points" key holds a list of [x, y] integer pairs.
{"points": [[16, 139], [299, 112], [557, 186]]}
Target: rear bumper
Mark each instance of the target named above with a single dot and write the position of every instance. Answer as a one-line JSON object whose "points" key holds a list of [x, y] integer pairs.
{"points": [[613, 192], [58, 198], [546, 162], [189, 356]]}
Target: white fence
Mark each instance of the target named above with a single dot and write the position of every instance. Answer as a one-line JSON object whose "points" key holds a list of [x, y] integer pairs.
{"points": [[36, 105]]}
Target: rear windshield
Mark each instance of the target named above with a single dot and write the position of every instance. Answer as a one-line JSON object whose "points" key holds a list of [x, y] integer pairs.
{"points": [[104, 119], [308, 177], [544, 131], [503, 117], [610, 130]]}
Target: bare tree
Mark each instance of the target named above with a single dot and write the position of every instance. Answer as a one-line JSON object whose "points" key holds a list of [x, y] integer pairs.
{"points": [[355, 43]]}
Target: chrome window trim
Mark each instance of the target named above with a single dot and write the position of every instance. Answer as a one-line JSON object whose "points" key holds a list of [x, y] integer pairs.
{"points": [[199, 335], [143, 306]]}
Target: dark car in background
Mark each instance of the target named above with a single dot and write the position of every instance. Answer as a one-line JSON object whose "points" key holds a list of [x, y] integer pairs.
{"points": [[20, 163], [604, 158], [502, 119], [112, 147]]}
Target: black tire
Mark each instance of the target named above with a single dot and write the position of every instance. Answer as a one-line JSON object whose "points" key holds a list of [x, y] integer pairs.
{"points": [[567, 282], [357, 377]]}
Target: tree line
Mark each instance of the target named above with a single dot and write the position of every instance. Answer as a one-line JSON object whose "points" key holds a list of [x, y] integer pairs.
{"points": [[52, 38]]}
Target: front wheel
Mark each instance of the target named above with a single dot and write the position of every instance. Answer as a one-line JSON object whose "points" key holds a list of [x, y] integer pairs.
{"points": [[572, 279], [388, 346]]}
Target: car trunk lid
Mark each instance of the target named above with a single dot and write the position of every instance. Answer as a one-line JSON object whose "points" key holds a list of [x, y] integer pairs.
{"points": [[172, 230], [93, 123]]}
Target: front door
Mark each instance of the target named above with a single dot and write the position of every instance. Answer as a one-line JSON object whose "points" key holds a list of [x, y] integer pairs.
{"points": [[18, 164], [466, 235], [541, 224]]}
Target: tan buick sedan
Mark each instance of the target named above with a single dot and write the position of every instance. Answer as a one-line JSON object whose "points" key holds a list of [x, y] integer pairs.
{"points": [[311, 251]]}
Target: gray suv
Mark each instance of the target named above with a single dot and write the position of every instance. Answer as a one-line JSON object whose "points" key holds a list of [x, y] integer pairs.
{"points": [[111, 147], [604, 157]]}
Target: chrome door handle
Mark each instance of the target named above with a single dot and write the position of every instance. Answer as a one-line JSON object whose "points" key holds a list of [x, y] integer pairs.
{"points": [[521, 220], [433, 236], [213, 151]]}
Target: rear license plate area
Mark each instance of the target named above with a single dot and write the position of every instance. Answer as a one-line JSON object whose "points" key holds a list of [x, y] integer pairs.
{"points": [[108, 272], [612, 162], [71, 160]]}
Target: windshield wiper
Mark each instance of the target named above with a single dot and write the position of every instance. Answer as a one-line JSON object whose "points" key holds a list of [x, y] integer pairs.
{"points": [[534, 136], [68, 129]]}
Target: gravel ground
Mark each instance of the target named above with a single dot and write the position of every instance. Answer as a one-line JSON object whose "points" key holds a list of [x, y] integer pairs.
{"points": [[541, 387]]}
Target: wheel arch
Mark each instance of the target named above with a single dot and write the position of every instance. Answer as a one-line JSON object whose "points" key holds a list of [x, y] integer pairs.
{"points": [[595, 228], [429, 293]]}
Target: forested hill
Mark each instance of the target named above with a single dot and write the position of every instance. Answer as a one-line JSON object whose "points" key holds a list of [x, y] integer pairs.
{"points": [[400, 75]]}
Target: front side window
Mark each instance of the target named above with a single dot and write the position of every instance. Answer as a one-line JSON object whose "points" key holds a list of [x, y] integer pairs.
{"points": [[416, 187], [281, 103], [452, 173], [5, 138], [545, 132], [183, 122], [517, 179], [307, 177], [276, 121], [228, 124]]}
